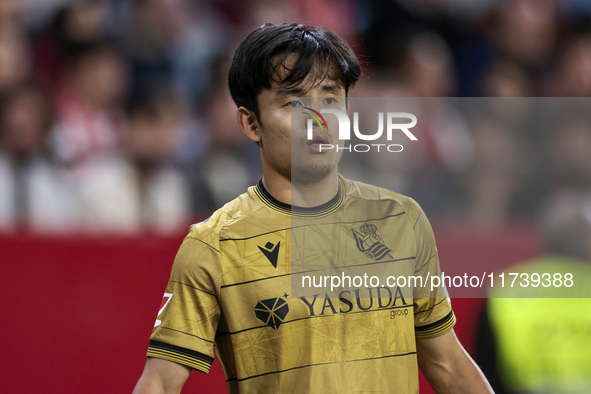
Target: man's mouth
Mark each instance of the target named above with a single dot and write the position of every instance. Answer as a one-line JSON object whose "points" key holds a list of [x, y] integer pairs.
{"points": [[318, 142]]}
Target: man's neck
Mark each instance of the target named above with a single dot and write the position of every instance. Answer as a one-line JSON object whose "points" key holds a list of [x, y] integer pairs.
{"points": [[302, 194]]}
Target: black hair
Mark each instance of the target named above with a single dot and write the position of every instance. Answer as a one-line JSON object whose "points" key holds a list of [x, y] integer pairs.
{"points": [[257, 59]]}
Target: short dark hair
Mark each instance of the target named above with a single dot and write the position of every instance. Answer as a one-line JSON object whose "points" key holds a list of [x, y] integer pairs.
{"points": [[257, 58]]}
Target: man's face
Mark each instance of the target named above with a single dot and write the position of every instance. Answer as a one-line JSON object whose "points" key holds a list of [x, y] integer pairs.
{"points": [[283, 128]]}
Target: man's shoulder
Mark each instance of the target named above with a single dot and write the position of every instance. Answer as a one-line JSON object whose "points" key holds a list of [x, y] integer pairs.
{"points": [[356, 189], [234, 211]]}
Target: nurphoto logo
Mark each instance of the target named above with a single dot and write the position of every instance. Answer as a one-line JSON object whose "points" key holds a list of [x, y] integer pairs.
{"points": [[392, 124]]}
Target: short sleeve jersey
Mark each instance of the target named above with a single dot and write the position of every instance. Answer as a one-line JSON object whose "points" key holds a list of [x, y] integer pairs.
{"points": [[230, 295]]}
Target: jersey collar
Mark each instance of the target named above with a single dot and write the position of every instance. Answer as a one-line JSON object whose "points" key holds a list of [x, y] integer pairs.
{"points": [[319, 211]]}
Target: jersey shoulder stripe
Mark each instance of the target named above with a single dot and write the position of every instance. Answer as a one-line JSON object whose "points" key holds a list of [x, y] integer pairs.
{"points": [[196, 360], [436, 328]]}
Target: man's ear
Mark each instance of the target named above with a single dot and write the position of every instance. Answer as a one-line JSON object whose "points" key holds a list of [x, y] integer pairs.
{"points": [[248, 124]]}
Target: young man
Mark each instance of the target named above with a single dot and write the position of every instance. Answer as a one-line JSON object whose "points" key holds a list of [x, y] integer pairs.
{"points": [[230, 289]]}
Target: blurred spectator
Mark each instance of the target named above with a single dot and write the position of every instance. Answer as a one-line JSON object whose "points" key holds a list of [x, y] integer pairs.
{"points": [[139, 190], [15, 61], [427, 66], [554, 151], [522, 349], [34, 195], [339, 16], [73, 27], [232, 162], [418, 63], [525, 30], [173, 41], [568, 148], [90, 121], [493, 175], [572, 77], [448, 151], [506, 78], [264, 11], [11, 18], [152, 29]]}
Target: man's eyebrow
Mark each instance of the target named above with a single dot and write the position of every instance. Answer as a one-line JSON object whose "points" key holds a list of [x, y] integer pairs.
{"points": [[332, 88], [299, 92], [293, 91]]}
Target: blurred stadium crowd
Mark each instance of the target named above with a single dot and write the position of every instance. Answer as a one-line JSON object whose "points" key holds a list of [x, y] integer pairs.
{"points": [[115, 116]]}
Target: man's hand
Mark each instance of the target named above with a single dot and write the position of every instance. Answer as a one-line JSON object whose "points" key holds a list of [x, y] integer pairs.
{"points": [[162, 377], [448, 368]]}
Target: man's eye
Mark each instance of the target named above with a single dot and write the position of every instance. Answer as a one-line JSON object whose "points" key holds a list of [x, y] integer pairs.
{"points": [[294, 104], [330, 101]]}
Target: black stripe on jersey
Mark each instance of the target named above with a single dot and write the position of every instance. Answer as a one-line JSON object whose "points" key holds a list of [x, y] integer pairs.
{"points": [[204, 243], [418, 217], [317, 365], [258, 235], [257, 280], [193, 287], [322, 269], [186, 333], [315, 224], [182, 351], [437, 330], [178, 358], [436, 325], [228, 214], [314, 317]]}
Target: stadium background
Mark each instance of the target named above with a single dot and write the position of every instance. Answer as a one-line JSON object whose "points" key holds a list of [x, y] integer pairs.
{"points": [[116, 133]]}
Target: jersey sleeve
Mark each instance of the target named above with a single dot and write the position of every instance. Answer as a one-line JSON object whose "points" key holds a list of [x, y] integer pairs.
{"points": [[188, 318], [432, 307]]}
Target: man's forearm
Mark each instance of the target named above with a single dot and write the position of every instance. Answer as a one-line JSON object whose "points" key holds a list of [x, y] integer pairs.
{"points": [[461, 375], [449, 368], [161, 377]]}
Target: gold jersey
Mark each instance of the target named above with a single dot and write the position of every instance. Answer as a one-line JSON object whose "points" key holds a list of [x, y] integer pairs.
{"points": [[230, 295]]}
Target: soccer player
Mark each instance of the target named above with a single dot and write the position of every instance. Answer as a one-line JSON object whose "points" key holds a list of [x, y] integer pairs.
{"points": [[230, 291]]}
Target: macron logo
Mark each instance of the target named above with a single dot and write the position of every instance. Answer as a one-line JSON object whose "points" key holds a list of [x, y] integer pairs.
{"points": [[271, 252]]}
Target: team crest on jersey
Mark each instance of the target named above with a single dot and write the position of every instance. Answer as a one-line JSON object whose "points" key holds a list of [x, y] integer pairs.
{"points": [[369, 242], [272, 312]]}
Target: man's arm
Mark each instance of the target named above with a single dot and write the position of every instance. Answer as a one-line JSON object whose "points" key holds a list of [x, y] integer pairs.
{"points": [[162, 377], [448, 368]]}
